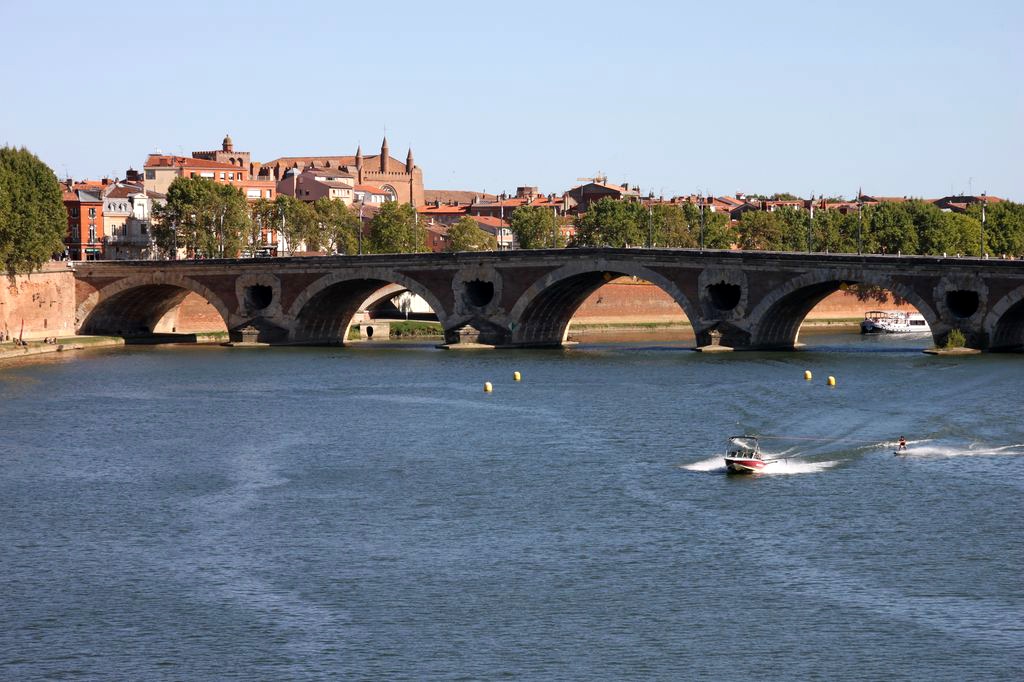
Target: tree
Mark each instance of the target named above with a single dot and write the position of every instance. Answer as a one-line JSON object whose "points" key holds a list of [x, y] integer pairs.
{"points": [[262, 216], [835, 232], [33, 220], [670, 228], [394, 230], [889, 228], [466, 235], [796, 224], [535, 227], [939, 232], [718, 232], [205, 218], [1004, 228], [337, 226], [761, 231], [297, 221], [608, 222]]}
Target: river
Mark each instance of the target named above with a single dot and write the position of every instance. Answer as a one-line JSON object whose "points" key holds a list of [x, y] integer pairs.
{"points": [[372, 513]]}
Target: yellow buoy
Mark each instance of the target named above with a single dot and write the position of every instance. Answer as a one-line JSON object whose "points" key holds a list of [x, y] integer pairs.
{"points": [[831, 381], [487, 387], [807, 375], [517, 376]]}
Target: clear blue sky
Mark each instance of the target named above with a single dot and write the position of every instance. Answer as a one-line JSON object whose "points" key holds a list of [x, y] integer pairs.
{"points": [[902, 98]]}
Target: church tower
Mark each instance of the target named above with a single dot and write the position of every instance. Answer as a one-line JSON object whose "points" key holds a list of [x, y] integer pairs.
{"points": [[359, 164], [408, 162], [384, 156]]}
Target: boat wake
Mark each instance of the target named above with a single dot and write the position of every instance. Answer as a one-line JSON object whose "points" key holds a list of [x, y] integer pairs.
{"points": [[930, 449], [782, 466]]}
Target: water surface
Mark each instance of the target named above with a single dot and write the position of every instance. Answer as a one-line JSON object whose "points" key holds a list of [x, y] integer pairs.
{"points": [[371, 513]]}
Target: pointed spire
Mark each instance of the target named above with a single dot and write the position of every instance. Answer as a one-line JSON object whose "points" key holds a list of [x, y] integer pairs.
{"points": [[384, 155], [359, 156], [409, 165]]}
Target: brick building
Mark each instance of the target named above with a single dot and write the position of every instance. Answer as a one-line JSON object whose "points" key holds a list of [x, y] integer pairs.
{"points": [[400, 181], [84, 204], [161, 170]]}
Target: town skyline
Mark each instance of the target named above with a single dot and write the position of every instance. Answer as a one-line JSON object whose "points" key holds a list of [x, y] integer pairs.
{"points": [[755, 100]]}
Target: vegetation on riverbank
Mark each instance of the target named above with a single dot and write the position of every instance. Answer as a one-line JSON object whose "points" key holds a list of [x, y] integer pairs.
{"points": [[404, 329], [33, 221]]}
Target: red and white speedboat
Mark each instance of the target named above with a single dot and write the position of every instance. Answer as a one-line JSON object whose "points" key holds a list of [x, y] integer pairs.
{"points": [[743, 456]]}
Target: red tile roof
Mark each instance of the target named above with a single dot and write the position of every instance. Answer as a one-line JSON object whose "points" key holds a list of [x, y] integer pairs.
{"points": [[443, 209], [370, 189], [489, 221]]}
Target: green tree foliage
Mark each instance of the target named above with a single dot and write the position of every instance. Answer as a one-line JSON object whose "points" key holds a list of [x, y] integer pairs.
{"points": [[296, 222], [535, 227], [718, 232], [670, 227], [940, 232], [761, 231], [679, 227], [890, 229], [1004, 228], [33, 220], [262, 216], [207, 219], [835, 232], [618, 224], [337, 227], [394, 230], [796, 229], [466, 235]]}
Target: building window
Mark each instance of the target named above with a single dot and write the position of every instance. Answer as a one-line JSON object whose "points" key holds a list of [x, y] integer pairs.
{"points": [[92, 212], [231, 176], [76, 233], [92, 232], [74, 211], [150, 175], [268, 193], [222, 175]]}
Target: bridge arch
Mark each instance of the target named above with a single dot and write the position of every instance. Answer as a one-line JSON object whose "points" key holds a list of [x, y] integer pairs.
{"points": [[1005, 322], [542, 314], [134, 305], [323, 311], [775, 322]]}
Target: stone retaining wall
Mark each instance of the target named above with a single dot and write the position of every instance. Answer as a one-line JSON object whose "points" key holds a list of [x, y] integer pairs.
{"points": [[42, 303]]}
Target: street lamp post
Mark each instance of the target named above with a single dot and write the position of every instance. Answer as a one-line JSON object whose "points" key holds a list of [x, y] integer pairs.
{"points": [[860, 225], [702, 202], [650, 221], [810, 225], [281, 238], [984, 200]]}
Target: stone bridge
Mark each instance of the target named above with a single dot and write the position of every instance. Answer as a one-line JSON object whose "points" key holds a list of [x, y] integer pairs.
{"points": [[755, 300]]}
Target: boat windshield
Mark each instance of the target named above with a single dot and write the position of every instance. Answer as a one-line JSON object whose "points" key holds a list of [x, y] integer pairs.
{"points": [[743, 446]]}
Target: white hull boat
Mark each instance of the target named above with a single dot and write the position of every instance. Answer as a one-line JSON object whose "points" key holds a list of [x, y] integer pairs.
{"points": [[743, 456], [893, 322]]}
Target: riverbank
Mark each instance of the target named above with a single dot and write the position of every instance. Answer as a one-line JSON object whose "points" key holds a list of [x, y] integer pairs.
{"points": [[11, 353]]}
